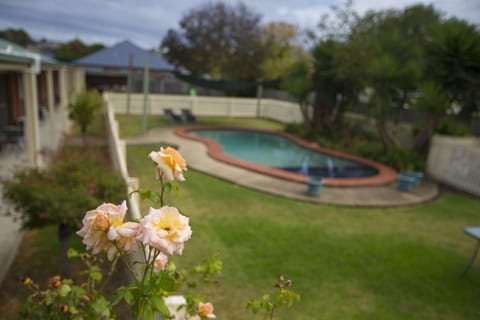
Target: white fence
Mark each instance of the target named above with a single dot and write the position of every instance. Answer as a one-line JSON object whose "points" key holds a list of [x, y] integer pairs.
{"points": [[118, 154], [456, 161], [281, 111]]}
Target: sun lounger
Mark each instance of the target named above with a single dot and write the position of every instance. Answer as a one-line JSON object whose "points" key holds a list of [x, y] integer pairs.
{"points": [[174, 118], [187, 116]]}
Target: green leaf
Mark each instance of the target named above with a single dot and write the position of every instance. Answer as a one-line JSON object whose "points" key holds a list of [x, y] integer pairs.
{"points": [[148, 312], [159, 305], [167, 187], [118, 295], [168, 283], [146, 194], [72, 253], [128, 297], [96, 275], [64, 290]]}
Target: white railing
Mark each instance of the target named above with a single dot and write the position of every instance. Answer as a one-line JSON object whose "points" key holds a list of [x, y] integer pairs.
{"points": [[456, 161], [118, 154], [277, 110]]}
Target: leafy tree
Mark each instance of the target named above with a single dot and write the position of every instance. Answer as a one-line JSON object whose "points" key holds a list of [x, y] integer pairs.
{"points": [[215, 39], [283, 42], [452, 59], [18, 36], [75, 49], [394, 43], [298, 83], [434, 101], [337, 69], [84, 108]]}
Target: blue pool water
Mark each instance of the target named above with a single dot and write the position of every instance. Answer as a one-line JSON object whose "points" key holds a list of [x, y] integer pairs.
{"points": [[275, 151]]}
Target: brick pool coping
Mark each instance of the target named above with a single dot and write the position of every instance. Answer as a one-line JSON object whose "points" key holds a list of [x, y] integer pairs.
{"points": [[385, 175]]}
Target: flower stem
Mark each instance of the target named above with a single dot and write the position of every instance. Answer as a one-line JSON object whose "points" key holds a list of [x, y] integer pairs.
{"points": [[162, 192], [110, 272]]}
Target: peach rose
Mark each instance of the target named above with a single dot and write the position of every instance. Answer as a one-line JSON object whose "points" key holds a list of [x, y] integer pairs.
{"points": [[170, 163], [124, 235], [165, 229], [97, 223], [206, 310], [160, 262]]}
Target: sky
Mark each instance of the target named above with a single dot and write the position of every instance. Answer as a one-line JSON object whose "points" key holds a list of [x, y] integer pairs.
{"points": [[145, 22]]}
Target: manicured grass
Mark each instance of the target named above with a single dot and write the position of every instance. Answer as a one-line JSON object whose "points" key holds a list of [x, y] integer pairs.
{"points": [[347, 263], [131, 125]]}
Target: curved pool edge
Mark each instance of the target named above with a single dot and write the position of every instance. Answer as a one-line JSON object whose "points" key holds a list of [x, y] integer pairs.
{"points": [[385, 175]]}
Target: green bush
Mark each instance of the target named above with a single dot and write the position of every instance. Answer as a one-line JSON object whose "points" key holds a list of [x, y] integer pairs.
{"points": [[76, 181], [449, 127], [84, 108], [401, 159]]}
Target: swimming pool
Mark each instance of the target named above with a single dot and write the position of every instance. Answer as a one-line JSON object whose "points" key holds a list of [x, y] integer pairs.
{"points": [[274, 151], [287, 157]]}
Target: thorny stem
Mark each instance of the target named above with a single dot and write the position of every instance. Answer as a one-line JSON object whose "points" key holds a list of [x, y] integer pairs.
{"points": [[125, 262], [142, 284], [271, 313], [162, 191], [112, 268]]}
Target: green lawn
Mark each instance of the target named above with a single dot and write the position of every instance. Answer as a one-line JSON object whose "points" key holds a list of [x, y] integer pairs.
{"points": [[131, 125], [347, 263]]}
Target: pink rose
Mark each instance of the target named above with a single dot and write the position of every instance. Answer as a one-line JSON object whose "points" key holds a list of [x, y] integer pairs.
{"points": [[165, 229], [160, 262], [96, 225]]}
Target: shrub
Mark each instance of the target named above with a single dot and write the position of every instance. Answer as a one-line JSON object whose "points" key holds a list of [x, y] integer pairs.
{"points": [[84, 108], [75, 181]]}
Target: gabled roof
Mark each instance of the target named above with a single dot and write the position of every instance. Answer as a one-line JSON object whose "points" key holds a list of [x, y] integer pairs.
{"points": [[12, 52], [118, 56]]}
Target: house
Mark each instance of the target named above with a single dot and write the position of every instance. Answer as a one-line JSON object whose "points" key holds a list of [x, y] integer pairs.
{"points": [[107, 69], [34, 93]]}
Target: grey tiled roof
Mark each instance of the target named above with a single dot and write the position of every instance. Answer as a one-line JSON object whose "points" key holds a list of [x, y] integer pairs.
{"points": [[117, 57]]}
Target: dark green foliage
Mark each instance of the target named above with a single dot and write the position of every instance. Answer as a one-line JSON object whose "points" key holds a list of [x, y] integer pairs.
{"points": [[75, 49], [451, 128], [18, 36], [401, 159], [76, 181], [453, 61], [356, 141], [84, 109]]}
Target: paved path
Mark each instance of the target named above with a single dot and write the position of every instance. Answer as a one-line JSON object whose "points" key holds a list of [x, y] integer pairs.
{"points": [[195, 153]]}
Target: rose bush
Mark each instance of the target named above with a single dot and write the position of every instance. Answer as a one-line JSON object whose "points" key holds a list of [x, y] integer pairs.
{"points": [[145, 247]]}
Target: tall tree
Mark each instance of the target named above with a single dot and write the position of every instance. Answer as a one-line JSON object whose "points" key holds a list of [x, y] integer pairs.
{"points": [[218, 40], [394, 43], [18, 36], [337, 68], [452, 59], [283, 41], [75, 49]]}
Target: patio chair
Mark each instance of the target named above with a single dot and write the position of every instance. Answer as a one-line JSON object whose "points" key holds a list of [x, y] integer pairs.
{"points": [[174, 118], [187, 116], [473, 232]]}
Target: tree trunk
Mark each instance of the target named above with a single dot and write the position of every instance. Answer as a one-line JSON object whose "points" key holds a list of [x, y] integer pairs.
{"points": [[305, 114], [321, 112], [421, 142], [63, 236], [380, 122], [84, 135]]}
